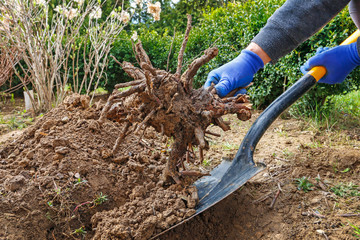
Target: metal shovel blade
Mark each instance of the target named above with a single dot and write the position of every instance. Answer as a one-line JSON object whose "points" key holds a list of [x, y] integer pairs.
{"points": [[226, 178]]}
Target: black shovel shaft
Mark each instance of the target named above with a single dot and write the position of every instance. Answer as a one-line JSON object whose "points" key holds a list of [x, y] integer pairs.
{"points": [[274, 110]]}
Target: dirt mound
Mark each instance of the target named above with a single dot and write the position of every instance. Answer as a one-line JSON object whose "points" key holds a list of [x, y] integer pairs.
{"points": [[59, 180]]}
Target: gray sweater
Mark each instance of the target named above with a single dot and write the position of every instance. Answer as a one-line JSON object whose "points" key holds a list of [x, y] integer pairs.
{"points": [[294, 22]]}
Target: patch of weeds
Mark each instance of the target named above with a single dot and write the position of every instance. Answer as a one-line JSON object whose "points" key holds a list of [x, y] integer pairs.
{"points": [[206, 162], [314, 145], [14, 123], [282, 133], [346, 190], [2, 120], [346, 170], [100, 199], [304, 184], [356, 230], [334, 167], [100, 91], [213, 143], [79, 231], [230, 146], [48, 216], [12, 100], [79, 181], [287, 153]]}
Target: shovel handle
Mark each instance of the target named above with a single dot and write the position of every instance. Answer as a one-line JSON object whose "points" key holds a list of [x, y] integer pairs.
{"points": [[319, 72], [291, 95]]}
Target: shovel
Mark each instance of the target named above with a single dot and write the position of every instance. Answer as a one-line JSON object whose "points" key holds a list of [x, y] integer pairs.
{"points": [[231, 175]]}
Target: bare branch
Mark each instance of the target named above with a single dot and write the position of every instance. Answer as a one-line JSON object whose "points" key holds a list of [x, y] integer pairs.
{"points": [[142, 55], [188, 76], [121, 137], [183, 46], [128, 84]]}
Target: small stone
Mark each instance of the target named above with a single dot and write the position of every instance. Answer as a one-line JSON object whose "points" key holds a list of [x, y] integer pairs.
{"points": [[321, 232], [315, 200], [58, 156], [24, 163], [14, 183], [61, 150], [60, 142], [59, 176], [85, 101], [135, 166], [65, 119], [48, 124], [160, 183], [94, 125], [106, 153], [121, 159], [189, 213], [171, 220], [30, 154]]}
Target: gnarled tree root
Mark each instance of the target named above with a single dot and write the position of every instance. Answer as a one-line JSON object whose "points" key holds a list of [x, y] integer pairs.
{"points": [[168, 103]]}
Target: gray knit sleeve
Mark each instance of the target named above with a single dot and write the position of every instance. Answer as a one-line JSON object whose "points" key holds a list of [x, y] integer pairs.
{"points": [[294, 22], [354, 10]]}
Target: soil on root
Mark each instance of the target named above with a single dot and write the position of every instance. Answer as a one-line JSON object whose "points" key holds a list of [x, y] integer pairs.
{"points": [[60, 180]]}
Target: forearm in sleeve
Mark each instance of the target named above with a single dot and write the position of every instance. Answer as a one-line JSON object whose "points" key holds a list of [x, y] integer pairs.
{"points": [[293, 23], [354, 10]]}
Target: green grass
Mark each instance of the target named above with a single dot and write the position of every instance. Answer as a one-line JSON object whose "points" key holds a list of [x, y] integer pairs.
{"points": [[100, 199], [99, 91], [80, 231], [340, 111], [288, 153], [206, 162], [304, 184], [346, 190], [356, 229], [229, 146], [348, 104]]}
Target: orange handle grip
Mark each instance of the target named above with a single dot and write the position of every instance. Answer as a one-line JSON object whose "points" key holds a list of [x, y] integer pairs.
{"points": [[319, 72]]}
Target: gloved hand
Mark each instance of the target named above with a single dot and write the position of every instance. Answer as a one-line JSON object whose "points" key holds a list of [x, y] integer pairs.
{"points": [[237, 73], [338, 61]]}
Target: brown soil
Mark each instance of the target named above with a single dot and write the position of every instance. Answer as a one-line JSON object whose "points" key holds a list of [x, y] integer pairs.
{"points": [[52, 174], [60, 173]]}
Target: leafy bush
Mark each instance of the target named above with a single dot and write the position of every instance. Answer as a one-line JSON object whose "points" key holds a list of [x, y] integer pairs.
{"points": [[231, 28]]}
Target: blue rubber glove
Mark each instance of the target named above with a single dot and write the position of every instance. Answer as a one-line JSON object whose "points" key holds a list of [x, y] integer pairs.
{"points": [[237, 73], [338, 61]]}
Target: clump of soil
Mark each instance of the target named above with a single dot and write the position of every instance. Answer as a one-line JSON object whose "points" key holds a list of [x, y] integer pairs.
{"points": [[60, 179]]}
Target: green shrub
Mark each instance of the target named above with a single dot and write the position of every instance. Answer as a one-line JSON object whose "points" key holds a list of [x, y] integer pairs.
{"points": [[348, 104], [231, 28]]}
